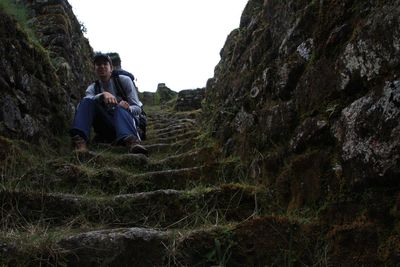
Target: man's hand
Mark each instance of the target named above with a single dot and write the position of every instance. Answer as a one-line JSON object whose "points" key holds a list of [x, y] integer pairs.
{"points": [[109, 99], [124, 104]]}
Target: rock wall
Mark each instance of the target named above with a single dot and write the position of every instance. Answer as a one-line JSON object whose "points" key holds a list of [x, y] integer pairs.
{"points": [[41, 81], [60, 32], [162, 96], [307, 93], [189, 99]]}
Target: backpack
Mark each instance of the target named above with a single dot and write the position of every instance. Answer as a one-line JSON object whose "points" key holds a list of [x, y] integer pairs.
{"points": [[142, 119]]}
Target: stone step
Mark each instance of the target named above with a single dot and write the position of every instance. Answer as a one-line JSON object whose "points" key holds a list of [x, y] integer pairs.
{"points": [[183, 178], [107, 151], [110, 173], [169, 132], [107, 155], [166, 123], [172, 178], [117, 247], [179, 156], [160, 208], [103, 247], [109, 180], [257, 241], [171, 148], [190, 158], [165, 115], [172, 139], [172, 127], [171, 120]]}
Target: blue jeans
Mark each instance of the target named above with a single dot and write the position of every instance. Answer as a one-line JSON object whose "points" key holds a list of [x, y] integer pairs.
{"points": [[109, 124]]}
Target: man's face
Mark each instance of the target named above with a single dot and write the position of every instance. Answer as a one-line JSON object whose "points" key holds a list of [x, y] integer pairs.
{"points": [[103, 69]]}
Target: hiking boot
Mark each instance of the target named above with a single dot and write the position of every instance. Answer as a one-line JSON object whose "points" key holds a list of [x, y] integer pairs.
{"points": [[138, 149], [79, 144], [134, 147]]}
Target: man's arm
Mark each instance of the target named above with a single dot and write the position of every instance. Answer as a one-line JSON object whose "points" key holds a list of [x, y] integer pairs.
{"points": [[91, 93], [135, 106], [105, 97]]}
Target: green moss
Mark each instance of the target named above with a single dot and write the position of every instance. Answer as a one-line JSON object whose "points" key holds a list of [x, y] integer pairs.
{"points": [[20, 13]]}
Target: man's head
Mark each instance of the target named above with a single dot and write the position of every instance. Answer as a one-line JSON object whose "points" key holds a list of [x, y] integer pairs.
{"points": [[102, 66], [116, 60]]}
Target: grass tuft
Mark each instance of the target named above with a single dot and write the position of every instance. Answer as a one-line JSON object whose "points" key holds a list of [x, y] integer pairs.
{"points": [[20, 13]]}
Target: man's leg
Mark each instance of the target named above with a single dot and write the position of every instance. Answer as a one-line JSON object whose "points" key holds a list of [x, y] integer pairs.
{"points": [[91, 112], [103, 124], [83, 118], [126, 131], [125, 124]]}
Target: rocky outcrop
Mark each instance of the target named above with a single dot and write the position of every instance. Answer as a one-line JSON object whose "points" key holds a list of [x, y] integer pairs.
{"points": [[307, 94], [33, 101], [41, 80], [162, 95], [189, 99], [307, 75], [368, 133], [59, 31]]}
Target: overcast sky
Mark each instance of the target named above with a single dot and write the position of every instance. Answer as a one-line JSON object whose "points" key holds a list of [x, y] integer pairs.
{"points": [[176, 42]]}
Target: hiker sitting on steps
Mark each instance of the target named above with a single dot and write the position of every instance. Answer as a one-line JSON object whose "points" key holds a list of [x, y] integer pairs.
{"points": [[112, 112]]}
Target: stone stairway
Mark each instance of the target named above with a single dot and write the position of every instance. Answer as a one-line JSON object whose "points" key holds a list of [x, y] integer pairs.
{"points": [[111, 208], [184, 205]]}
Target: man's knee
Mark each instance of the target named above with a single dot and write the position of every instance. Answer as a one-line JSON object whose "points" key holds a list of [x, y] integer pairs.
{"points": [[122, 116], [87, 101], [121, 111]]}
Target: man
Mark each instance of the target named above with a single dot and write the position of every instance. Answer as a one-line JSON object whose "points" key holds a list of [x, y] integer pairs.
{"points": [[116, 62], [111, 110]]}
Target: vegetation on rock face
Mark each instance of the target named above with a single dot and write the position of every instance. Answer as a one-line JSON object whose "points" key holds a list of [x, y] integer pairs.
{"points": [[19, 12], [40, 86]]}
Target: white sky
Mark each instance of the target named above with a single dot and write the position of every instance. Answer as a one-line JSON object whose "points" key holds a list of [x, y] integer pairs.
{"points": [[176, 42]]}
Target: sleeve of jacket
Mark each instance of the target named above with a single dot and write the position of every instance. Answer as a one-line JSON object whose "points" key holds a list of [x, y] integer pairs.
{"points": [[131, 93], [91, 93]]}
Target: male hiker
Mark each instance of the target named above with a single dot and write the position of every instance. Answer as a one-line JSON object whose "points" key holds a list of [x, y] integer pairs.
{"points": [[116, 62], [111, 106]]}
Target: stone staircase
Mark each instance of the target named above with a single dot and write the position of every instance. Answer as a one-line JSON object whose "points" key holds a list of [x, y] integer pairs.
{"points": [[111, 208], [184, 205]]}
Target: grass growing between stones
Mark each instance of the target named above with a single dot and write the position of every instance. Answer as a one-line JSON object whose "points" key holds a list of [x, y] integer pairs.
{"points": [[19, 158], [188, 192]]}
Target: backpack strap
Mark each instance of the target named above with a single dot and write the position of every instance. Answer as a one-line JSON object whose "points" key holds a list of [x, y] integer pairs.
{"points": [[124, 72], [118, 72], [97, 87], [119, 88]]}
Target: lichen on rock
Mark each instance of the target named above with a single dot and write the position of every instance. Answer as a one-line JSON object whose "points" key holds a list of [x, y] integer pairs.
{"points": [[369, 130]]}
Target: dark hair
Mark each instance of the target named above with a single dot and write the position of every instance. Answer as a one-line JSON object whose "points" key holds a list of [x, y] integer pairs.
{"points": [[116, 60], [101, 57]]}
